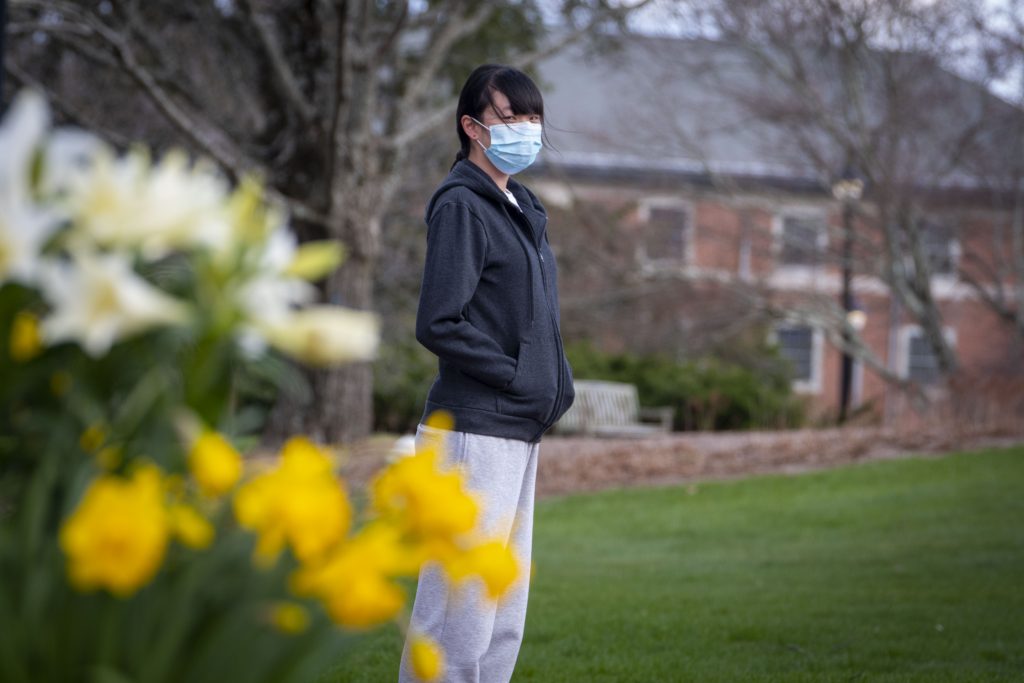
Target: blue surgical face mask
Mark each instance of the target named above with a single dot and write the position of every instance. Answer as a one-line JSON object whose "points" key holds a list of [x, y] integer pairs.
{"points": [[514, 146]]}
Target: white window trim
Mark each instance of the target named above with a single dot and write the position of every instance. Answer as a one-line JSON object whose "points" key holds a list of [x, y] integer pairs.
{"points": [[689, 242], [903, 347], [800, 212], [812, 385]]}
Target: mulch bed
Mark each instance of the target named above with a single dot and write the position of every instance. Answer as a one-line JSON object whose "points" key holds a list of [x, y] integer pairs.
{"points": [[577, 464]]}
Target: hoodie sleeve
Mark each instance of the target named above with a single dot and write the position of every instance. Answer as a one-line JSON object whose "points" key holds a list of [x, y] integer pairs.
{"points": [[456, 250]]}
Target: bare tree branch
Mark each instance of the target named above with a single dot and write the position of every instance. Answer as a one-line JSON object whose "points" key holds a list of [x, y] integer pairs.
{"points": [[439, 44], [203, 134], [283, 73], [17, 28], [996, 300], [390, 38], [61, 104], [425, 123]]}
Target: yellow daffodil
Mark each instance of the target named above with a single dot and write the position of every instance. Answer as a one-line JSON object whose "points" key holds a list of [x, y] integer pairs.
{"points": [[492, 561], [214, 463], [429, 502], [427, 659], [289, 617], [26, 340], [190, 527], [117, 536], [440, 419], [300, 502], [354, 580], [92, 438], [367, 600], [109, 457]]}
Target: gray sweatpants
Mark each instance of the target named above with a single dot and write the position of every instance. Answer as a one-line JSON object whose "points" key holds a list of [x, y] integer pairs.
{"points": [[480, 637]]}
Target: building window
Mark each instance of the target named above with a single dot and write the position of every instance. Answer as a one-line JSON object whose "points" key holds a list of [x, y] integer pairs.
{"points": [[940, 247], [802, 346], [666, 233], [920, 363], [801, 239]]}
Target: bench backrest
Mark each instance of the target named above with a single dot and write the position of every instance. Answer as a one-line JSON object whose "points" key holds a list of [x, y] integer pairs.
{"points": [[599, 402]]}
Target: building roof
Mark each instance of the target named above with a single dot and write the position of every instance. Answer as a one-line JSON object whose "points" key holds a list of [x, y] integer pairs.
{"points": [[699, 108]]}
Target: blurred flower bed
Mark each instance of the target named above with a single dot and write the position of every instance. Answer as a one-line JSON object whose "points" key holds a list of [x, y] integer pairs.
{"points": [[134, 544]]}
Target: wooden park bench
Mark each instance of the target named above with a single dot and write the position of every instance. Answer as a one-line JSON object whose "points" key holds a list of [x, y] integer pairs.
{"points": [[612, 409]]}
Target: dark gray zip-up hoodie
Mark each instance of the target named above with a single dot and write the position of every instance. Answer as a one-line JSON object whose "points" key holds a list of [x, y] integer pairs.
{"points": [[488, 309]]}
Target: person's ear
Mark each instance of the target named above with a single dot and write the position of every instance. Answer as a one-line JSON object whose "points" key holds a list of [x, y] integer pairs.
{"points": [[469, 127]]}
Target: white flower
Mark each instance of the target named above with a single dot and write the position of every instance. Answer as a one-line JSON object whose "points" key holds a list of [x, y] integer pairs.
{"points": [[128, 203], [250, 342], [69, 152], [326, 335], [270, 296], [279, 250], [98, 300], [24, 230], [20, 138], [24, 225]]}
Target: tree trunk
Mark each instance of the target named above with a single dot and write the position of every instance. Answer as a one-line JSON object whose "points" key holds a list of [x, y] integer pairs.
{"points": [[343, 409]]}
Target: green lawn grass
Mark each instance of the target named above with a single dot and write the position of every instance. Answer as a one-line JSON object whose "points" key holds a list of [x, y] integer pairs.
{"points": [[905, 570]]}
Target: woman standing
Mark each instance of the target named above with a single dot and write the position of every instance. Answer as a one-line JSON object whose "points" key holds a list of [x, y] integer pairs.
{"points": [[488, 309]]}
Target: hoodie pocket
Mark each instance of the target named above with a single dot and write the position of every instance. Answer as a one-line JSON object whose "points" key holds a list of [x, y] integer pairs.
{"points": [[457, 389], [532, 391]]}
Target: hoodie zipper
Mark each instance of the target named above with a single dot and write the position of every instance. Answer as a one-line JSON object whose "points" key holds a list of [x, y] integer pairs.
{"points": [[559, 392], [548, 421]]}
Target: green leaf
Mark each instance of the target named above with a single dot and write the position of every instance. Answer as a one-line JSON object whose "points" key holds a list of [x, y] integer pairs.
{"points": [[105, 674], [145, 395]]}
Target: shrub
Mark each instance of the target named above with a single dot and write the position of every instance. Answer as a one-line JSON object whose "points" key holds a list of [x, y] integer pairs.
{"points": [[706, 393]]}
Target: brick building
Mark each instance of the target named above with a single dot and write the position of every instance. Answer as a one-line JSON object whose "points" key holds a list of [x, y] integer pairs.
{"points": [[679, 219]]}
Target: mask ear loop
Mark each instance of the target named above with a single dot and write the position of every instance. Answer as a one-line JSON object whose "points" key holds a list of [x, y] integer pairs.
{"points": [[487, 128]]}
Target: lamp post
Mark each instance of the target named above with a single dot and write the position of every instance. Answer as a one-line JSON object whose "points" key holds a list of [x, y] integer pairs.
{"points": [[848, 189]]}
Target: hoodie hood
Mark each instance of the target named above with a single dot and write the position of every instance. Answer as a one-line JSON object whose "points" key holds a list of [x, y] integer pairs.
{"points": [[467, 174]]}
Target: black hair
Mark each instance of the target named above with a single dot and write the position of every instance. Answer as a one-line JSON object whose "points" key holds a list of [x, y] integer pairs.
{"points": [[478, 94]]}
